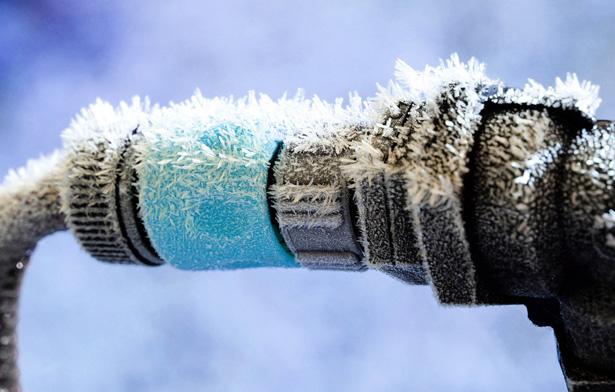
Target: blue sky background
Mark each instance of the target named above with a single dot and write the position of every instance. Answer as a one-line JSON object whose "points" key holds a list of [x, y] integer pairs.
{"points": [[89, 326]]}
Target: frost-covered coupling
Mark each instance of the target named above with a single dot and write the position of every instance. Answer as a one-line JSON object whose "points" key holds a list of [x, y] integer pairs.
{"points": [[308, 169], [425, 123], [310, 194], [95, 144], [203, 170], [424, 129]]}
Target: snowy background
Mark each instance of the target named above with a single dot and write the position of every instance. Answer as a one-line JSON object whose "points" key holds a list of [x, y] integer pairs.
{"points": [[89, 326]]}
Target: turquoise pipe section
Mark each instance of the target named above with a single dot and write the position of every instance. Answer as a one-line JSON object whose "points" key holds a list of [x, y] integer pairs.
{"points": [[202, 195]]}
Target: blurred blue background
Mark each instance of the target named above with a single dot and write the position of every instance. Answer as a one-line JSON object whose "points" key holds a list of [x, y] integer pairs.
{"points": [[88, 326]]}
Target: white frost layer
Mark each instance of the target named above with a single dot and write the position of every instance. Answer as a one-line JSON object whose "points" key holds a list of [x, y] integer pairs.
{"points": [[309, 125], [32, 173], [431, 149], [567, 94]]}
